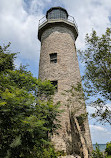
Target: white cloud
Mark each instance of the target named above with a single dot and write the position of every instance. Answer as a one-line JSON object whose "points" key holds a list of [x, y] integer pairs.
{"points": [[89, 14], [90, 109], [19, 25], [19, 21], [100, 134], [99, 128], [19, 28], [109, 106]]}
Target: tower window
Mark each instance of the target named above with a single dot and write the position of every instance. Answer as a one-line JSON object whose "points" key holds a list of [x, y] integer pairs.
{"points": [[53, 58], [55, 84]]}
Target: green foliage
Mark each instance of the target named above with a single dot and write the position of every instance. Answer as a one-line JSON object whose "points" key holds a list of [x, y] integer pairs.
{"points": [[97, 153], [61, 153], [44, 152], [108, 148], [47, 152], [75, 95], [28, 115], [76, 105], [81, 118], [7, 59], [97, 78]]}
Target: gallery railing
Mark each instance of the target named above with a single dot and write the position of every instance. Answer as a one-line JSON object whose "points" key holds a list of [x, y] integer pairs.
{"points": [[69, 19]]}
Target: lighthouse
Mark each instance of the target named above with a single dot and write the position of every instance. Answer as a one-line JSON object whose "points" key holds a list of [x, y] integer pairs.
{"points": [[57, 33]]}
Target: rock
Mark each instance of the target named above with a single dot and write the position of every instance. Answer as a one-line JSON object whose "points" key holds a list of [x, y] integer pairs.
{"points": [[70, 156]]}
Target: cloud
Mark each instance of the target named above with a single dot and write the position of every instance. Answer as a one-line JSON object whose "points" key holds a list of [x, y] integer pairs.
{"points": [[19, 22], [99, 128], [89, 14], [92, 110], [100, 134], [109, 105], [19, 25]]}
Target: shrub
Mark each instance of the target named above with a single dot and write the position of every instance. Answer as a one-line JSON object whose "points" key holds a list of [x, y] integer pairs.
{"points": [[97, 153], [108, 148], [45, 152]]}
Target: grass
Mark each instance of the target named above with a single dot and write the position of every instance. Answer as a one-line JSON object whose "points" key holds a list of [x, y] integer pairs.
{"points": [[109, 156]]}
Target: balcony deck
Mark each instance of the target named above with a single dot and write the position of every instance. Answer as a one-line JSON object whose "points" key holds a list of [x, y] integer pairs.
{"points": [[71, 21]]}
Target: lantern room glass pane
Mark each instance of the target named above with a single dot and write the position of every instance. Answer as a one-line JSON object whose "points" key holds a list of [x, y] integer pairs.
{"points": [[57, 14]]}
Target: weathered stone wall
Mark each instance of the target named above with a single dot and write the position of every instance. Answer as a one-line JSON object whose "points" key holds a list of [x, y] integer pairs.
{"points": [[59, 28], [60, 40]]}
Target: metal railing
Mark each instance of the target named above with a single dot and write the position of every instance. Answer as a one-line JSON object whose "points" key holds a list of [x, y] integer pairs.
{"points": [[42, 20], [69, 19]]}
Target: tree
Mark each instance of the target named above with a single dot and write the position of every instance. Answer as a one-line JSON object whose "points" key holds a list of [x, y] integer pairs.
{"points": [[97, 78], [97, 153], [28, 115], [108, 148]]}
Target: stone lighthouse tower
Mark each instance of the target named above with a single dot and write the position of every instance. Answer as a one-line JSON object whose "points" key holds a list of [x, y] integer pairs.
{"points": [[58, 63]]}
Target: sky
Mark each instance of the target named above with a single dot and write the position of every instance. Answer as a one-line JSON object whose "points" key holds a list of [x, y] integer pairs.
{"points": [[19, 25]]}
